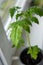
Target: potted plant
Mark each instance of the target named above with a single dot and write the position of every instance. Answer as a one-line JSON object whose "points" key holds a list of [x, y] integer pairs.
{"points": [[31, 55], [37, 2]]}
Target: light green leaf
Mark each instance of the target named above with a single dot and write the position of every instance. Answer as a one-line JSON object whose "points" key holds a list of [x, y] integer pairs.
{"points": [[34, 56], [30, 51], [21, 43], [16, 35], [33, 51], [36, 49]]}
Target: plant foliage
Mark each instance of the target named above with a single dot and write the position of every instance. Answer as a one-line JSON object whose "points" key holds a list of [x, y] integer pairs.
{"points": [[33, 51], [13, 10], [24, 20]]}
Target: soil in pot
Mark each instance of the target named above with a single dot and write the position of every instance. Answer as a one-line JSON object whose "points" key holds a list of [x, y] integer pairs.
{"points": [[27, 60]]}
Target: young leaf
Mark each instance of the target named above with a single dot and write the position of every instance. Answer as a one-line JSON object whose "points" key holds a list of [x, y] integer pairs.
{"points": [[36, 49], [30, 51], [37, 10], [18, 15], [34, 19], [33, 51], [13, 10]]}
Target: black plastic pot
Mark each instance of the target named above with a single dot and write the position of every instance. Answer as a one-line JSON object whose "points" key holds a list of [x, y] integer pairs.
{"points": [[27, 60]]}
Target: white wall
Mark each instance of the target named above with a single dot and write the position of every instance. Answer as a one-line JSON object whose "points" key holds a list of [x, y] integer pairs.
{"points": [[36, 35]]}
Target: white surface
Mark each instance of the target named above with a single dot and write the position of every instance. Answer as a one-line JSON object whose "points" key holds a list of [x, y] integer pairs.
{"points": [[2, 57], [36, 35]]}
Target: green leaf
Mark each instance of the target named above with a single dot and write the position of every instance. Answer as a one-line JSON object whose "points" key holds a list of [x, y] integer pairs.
{"points": [[34, 19], [21, 43], [12, 25], [16, 35], [13, 10], [28, 22], [36, 10], [26, 28], [33, 51], [19, 15], [30, 51], [34, 56], [36, 49], [23, 23]]}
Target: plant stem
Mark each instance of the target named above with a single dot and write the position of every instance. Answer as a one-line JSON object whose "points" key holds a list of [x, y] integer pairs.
{"points": [[28, 39]]}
